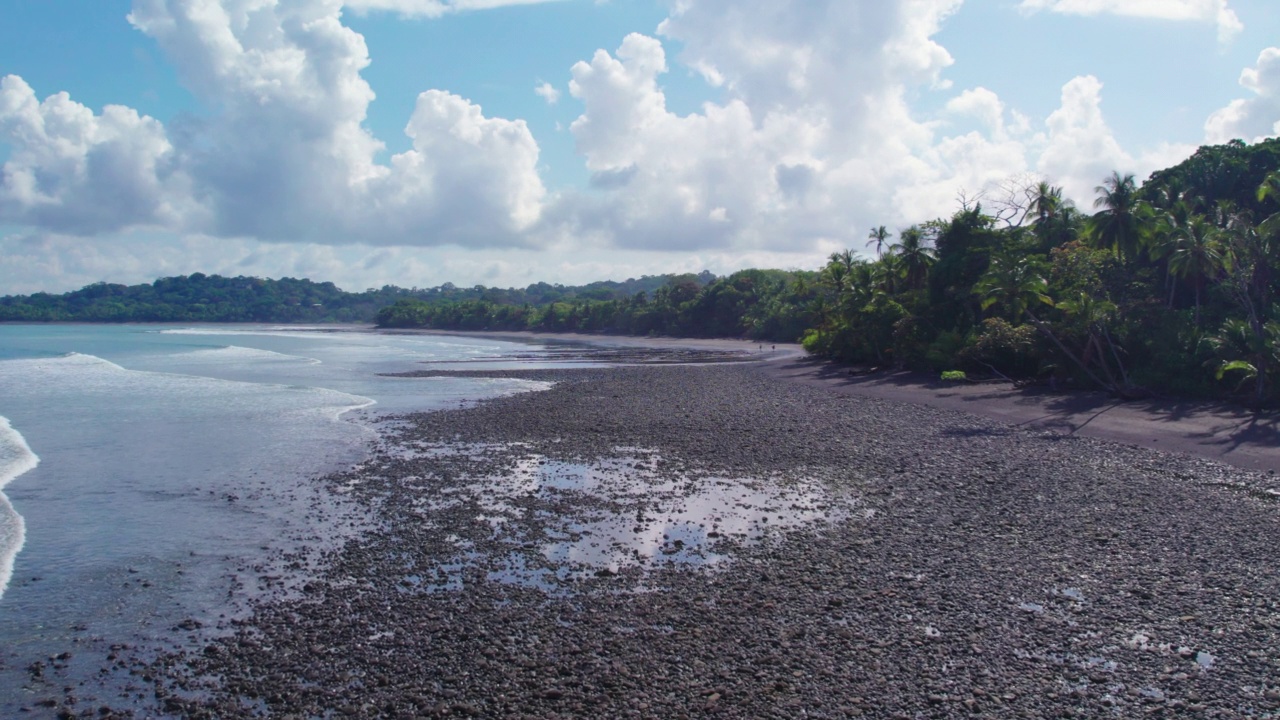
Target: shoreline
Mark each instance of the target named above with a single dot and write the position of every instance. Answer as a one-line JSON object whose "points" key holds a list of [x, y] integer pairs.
{"points": [[1218, 431], [955, 565]]}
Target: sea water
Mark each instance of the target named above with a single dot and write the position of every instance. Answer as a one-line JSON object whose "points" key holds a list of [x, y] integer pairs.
{"points": [[144, 468]]}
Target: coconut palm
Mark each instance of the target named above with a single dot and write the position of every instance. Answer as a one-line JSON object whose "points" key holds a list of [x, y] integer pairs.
{"points": [[1254, 352], [887, 273], [1045, 202], [1094, 314], [880, 237], [1197, 254], [916, 256], [1014, 285], [1054, 218], [1121, 221]]}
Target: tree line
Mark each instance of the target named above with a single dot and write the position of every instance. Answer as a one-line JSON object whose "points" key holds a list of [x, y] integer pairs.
{"points": [[1166, 287], [214, 298], [1170, 286]]}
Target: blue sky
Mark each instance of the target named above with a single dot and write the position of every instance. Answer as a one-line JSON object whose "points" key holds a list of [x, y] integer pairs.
{"points": [[268, 137]]}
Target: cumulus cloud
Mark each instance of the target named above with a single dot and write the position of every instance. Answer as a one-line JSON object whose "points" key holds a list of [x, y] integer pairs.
{"points": [[547, 92], [433, 8], [283, 154], [813, 140], [982, 105], [1079, 149], [1255, 118], [73, 171], [1207, 11]]}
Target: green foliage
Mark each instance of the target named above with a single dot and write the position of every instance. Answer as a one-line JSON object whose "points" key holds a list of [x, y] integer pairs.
{"points": [[759, 304], [954, 375], [1012, 350]]}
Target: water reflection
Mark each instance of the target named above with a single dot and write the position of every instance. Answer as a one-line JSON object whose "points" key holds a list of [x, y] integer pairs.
{"points": [[568, 520]]}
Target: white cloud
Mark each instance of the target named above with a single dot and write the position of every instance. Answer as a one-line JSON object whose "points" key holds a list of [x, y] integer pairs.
{"points": [[815, 139], [1079, 149], [433, 8], [285, 154], [813, 142], [50, 262], [1208, 11], [981, 104], [547, 92], [1255, 118], [77, 172]]}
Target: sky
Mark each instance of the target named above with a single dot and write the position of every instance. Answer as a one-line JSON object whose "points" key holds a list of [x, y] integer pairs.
{"points": [[506, 142]]}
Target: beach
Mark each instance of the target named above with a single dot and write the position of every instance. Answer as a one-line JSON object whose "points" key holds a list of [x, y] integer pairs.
{"points": [[758, 539]]}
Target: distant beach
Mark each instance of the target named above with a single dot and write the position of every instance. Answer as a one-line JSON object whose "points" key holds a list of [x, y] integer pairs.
{"points": [[760, 539]]}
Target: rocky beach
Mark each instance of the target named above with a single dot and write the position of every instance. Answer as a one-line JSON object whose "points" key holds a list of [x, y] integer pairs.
{"points": [[714, 539]]}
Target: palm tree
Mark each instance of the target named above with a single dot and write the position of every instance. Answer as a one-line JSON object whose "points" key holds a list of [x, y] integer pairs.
{"points": [[1177, 208], [1056, 218], [1094, 314], [1254, 352], [835, 274], [1045, 201], [879, 236], [1014, 283], [887, 273], [1120, 221], [1270, 187], [916, 255], [1196, 254]]}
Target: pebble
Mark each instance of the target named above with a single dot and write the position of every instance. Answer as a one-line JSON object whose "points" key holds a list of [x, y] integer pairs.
{"points": [[970, 520]]}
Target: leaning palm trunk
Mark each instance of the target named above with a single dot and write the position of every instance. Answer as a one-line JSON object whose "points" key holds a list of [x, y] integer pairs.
{"points": [[1115, 353], [1044, 329]]}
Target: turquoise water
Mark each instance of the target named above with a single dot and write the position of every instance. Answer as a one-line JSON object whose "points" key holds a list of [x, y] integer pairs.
{"points": [[145, 470]]}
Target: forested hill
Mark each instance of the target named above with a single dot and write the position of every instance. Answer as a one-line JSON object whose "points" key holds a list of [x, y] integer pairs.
{"points": [[213, 298]]}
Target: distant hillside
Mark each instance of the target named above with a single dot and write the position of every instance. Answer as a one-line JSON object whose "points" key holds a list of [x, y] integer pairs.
{"points": [[213, 298]]}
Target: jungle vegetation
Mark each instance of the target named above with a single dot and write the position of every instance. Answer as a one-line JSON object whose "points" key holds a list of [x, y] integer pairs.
{"points": [[1170, 286]]}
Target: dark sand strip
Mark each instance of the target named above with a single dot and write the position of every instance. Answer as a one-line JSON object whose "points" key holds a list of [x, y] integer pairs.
{"points": [[1218, 431]]}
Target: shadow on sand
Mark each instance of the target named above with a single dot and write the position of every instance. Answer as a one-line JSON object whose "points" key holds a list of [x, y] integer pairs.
{"points": [[1208, 428]]}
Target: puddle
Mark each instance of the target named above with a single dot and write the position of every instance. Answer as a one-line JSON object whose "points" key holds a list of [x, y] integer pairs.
{"points": [[569, 520], [1099, 663], [1072, 593]]}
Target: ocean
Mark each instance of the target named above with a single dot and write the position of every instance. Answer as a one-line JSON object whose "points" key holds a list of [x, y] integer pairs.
{"points": [[145, 468]]}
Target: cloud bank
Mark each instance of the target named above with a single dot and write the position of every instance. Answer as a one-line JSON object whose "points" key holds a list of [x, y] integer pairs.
{"points": [[1214, 12], [813, 138]]}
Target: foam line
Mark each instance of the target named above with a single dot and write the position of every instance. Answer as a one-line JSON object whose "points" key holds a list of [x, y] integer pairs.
{"points": [[16, 458]]}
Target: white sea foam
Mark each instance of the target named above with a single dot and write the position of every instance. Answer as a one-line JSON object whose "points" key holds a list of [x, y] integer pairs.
{"points": [[95, 379], [15, 459], [290, 331], [238, 354], [73, 359]]}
